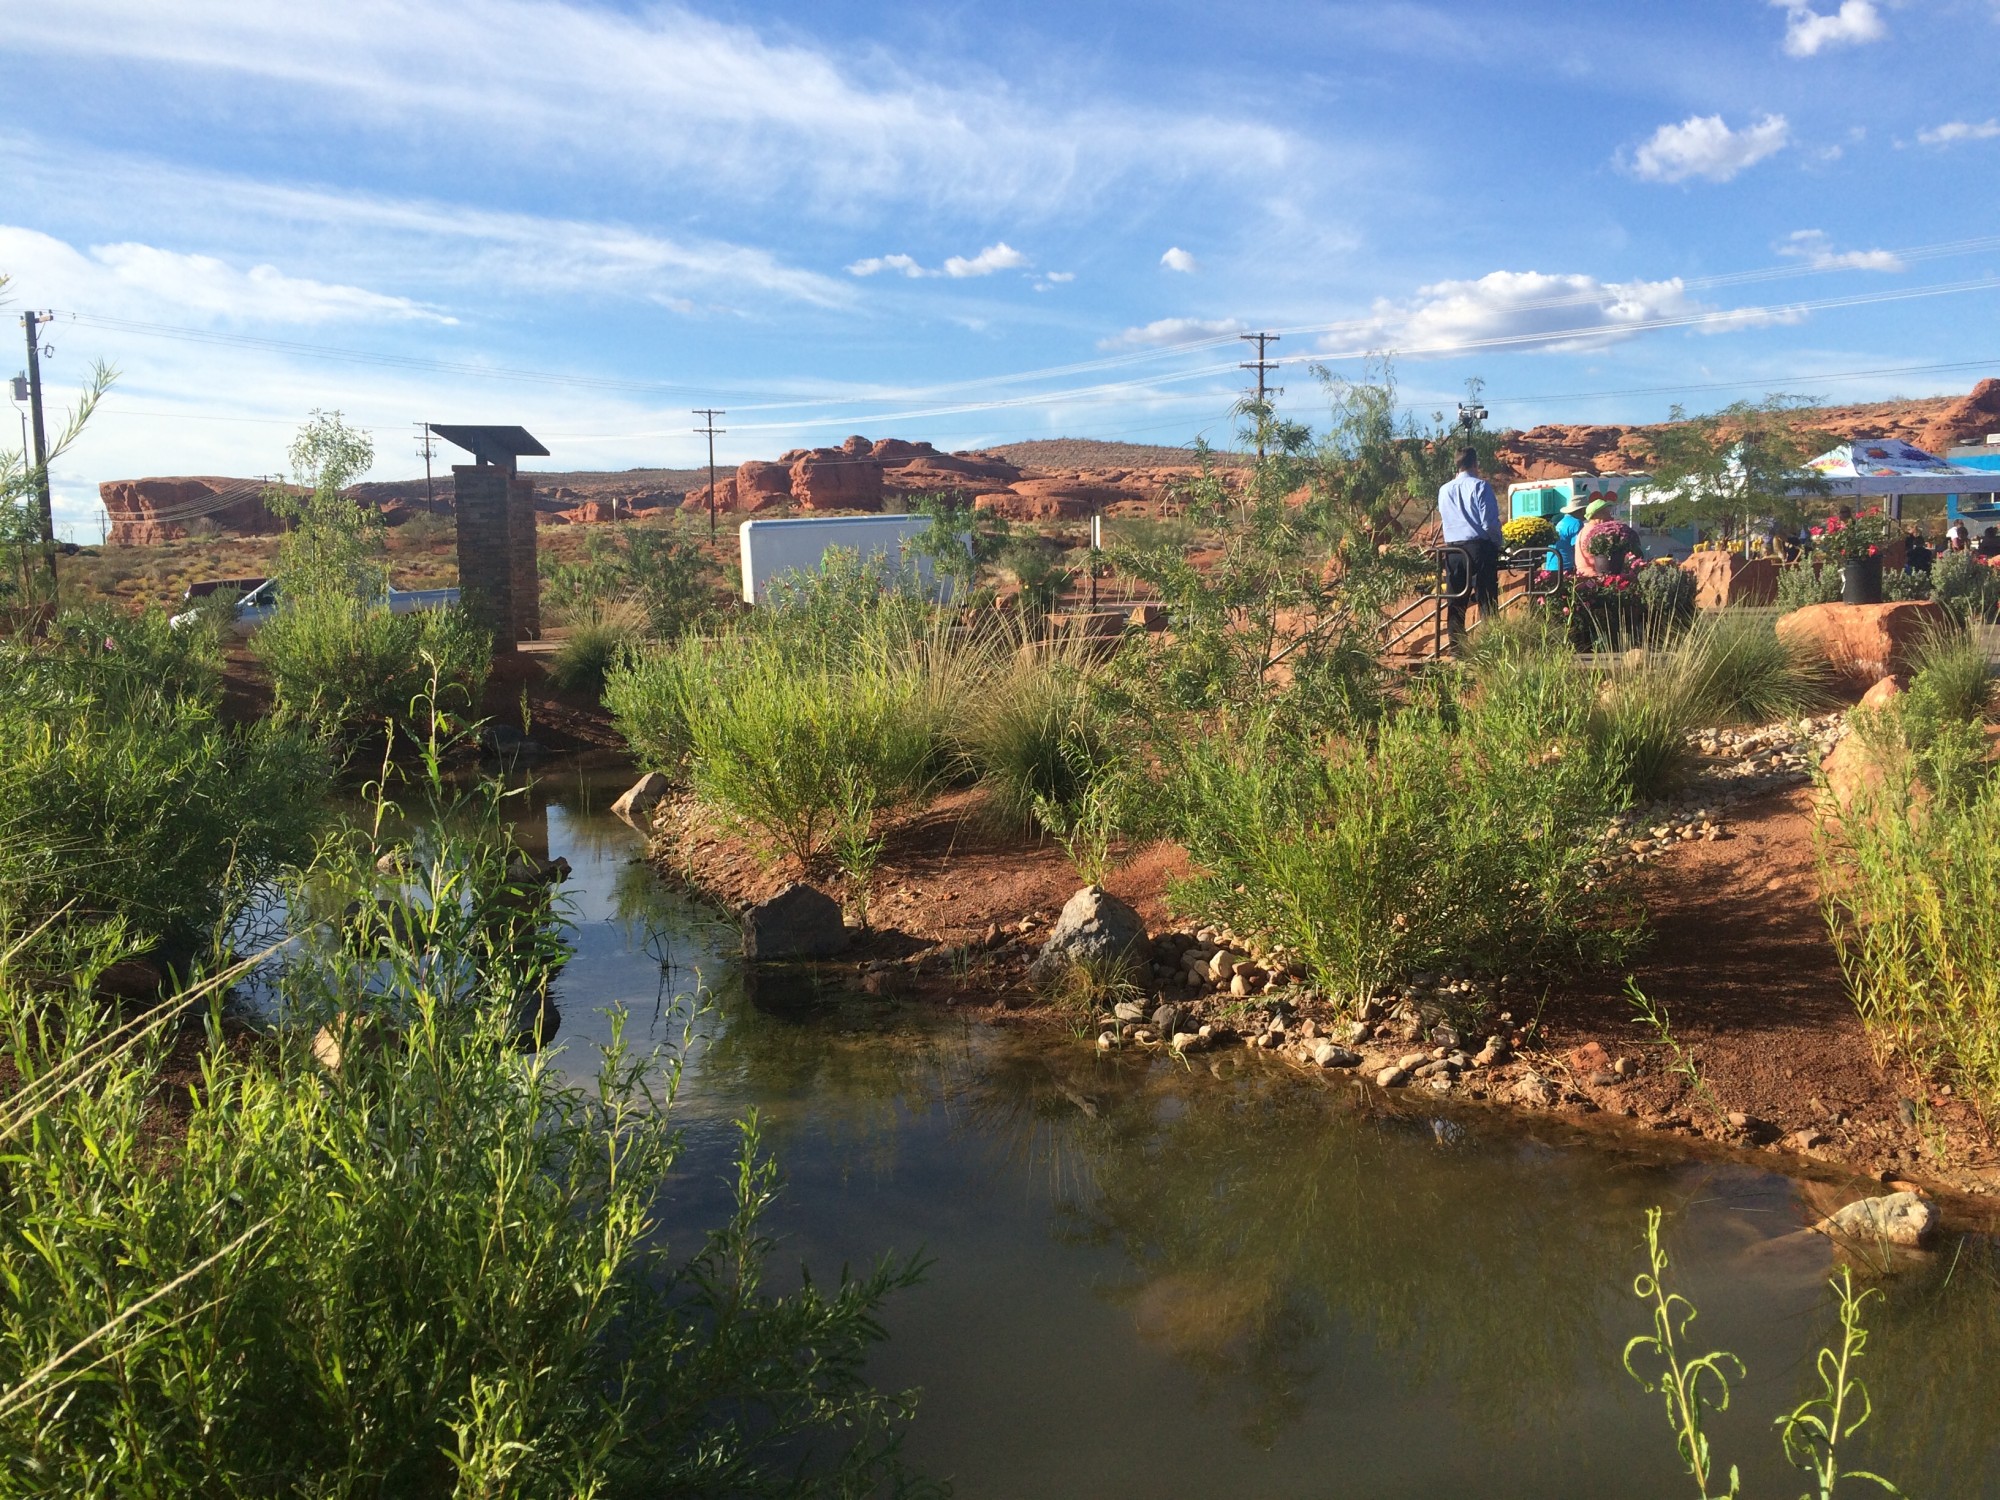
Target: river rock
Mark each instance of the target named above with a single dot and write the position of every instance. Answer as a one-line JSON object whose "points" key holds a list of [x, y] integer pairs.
{"points": [[1392, 1077], [1129, 1010], [798, 922], [641, 797], [1327, 1055], [1094, 926], [1903, 1219]]}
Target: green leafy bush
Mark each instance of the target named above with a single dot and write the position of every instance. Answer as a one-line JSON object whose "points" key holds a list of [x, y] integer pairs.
{"points": [[432, 1268], [1666, 595], [348, 669], [122, 795]]}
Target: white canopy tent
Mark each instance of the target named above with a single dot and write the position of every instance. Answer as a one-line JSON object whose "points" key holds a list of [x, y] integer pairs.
{"points": [[1888, 468]]}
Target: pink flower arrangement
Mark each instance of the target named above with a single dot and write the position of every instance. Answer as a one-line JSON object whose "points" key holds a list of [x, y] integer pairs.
{"points": [[1851, 541]]}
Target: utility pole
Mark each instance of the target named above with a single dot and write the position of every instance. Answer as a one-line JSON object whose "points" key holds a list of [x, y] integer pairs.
{"points": [[31, 321], [424, 448], [1260, 365], [710, 413]]}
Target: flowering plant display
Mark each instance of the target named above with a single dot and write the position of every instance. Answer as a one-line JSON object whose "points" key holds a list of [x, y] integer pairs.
{"points": [[1852, 540], [1613, 539], [1590, 590], [1528, 531]]}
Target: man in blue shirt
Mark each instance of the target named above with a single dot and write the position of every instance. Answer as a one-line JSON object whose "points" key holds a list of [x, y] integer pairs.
{"points": [[1471, 516]]}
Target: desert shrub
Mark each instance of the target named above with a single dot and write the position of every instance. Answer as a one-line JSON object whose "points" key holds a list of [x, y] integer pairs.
{"points": [[583, 661], [1967, 584], [434, 1269], [771, 740], [1666, 593], [1433, 847], [1898, 585], [648, 690], [1807, 581], [1746, 674], [1907, 884], [348, 668], [672, 580], [122, 795]]}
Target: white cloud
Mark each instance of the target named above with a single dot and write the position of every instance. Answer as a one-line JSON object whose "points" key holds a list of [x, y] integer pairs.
{"points": [[1816, 250], [1531, 309], [1060, 276], [1956, 132], [997, 257], [1807, 32], [1703, 146], [907, 265], [1000, 257], [1177, 259], [131, 279], [1163, 332]]}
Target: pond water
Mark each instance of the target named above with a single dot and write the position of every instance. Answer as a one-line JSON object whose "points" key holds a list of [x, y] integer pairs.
{"points": [[1156, 1281]]}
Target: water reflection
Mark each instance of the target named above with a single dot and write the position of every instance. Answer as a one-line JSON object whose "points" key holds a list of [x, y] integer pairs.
{"points": [[1159, 1281]]}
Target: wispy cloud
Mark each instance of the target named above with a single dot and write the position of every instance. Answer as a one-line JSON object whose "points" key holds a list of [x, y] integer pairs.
{"points": [[1816, 250], [658, 88], [1164, 332], [874, 265], [130, 279], [1703, 146], [1957, 132], [1808, 33], [1177, 259]]}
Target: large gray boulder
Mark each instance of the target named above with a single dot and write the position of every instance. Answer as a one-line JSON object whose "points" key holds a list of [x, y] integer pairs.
{"points": [[1903, 1219], [1094, 926], [798, 922]]}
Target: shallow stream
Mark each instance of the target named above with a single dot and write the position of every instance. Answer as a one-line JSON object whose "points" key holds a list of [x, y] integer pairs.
{"points": [[1155, 1281]]}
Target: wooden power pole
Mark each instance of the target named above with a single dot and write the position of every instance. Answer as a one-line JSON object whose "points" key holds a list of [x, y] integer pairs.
{"points": [[709, 413], [1260, 364]]}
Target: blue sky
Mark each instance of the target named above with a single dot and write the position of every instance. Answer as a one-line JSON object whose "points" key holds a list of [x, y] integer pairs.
{"points": [[979, 223]]}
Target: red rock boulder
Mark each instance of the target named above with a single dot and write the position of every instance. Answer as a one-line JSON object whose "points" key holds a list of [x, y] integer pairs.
{"points": [[144, 512], [1865, 642], [1725, 578]]}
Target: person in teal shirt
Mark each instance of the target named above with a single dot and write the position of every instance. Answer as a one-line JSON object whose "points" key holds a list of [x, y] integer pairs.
{"points": [[1562, 556]]}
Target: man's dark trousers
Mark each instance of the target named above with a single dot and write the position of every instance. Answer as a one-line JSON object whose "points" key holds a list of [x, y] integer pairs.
{"points": [[1481, 559]]}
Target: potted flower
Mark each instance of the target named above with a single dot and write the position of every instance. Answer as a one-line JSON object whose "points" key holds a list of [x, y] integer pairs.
{"points": [[1856, 543], [1614, 541]]}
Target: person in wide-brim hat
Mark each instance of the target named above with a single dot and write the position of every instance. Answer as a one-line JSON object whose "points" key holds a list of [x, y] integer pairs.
{"points": [[1562, 556]]}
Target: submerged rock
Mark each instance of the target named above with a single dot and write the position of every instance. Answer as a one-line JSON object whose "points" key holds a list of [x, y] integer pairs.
{"points": [[1095, 926], [798, 922], [1902, 1219]]}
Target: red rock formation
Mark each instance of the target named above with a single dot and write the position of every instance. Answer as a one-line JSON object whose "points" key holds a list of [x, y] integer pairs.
{"points": [[760, 485], [147, 511], [1967, 420], [829, 479], [1864, 643]]}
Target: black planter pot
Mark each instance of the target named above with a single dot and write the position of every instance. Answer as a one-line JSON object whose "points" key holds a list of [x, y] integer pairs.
{"points": [[1861, 580]]}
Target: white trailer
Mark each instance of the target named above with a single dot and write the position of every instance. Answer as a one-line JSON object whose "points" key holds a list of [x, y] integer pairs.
{"points": [[774, 548]]}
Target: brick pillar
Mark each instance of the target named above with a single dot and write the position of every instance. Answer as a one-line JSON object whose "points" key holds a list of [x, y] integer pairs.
{"points": [[522, 572], [485, 573]]}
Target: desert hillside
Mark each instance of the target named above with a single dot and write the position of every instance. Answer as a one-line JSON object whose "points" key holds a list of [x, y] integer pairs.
{"points": [[1043, 479]]}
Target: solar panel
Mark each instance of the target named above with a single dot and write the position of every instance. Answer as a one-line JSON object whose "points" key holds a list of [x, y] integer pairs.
{"points": [[491, 445]]}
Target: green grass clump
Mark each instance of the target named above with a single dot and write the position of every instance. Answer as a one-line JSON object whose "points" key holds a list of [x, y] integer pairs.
{"points": [[1036, 736], [585, 659], [1746, 674], [1909, 870], [434, 1268], [348, 668], [1446, 842]]}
